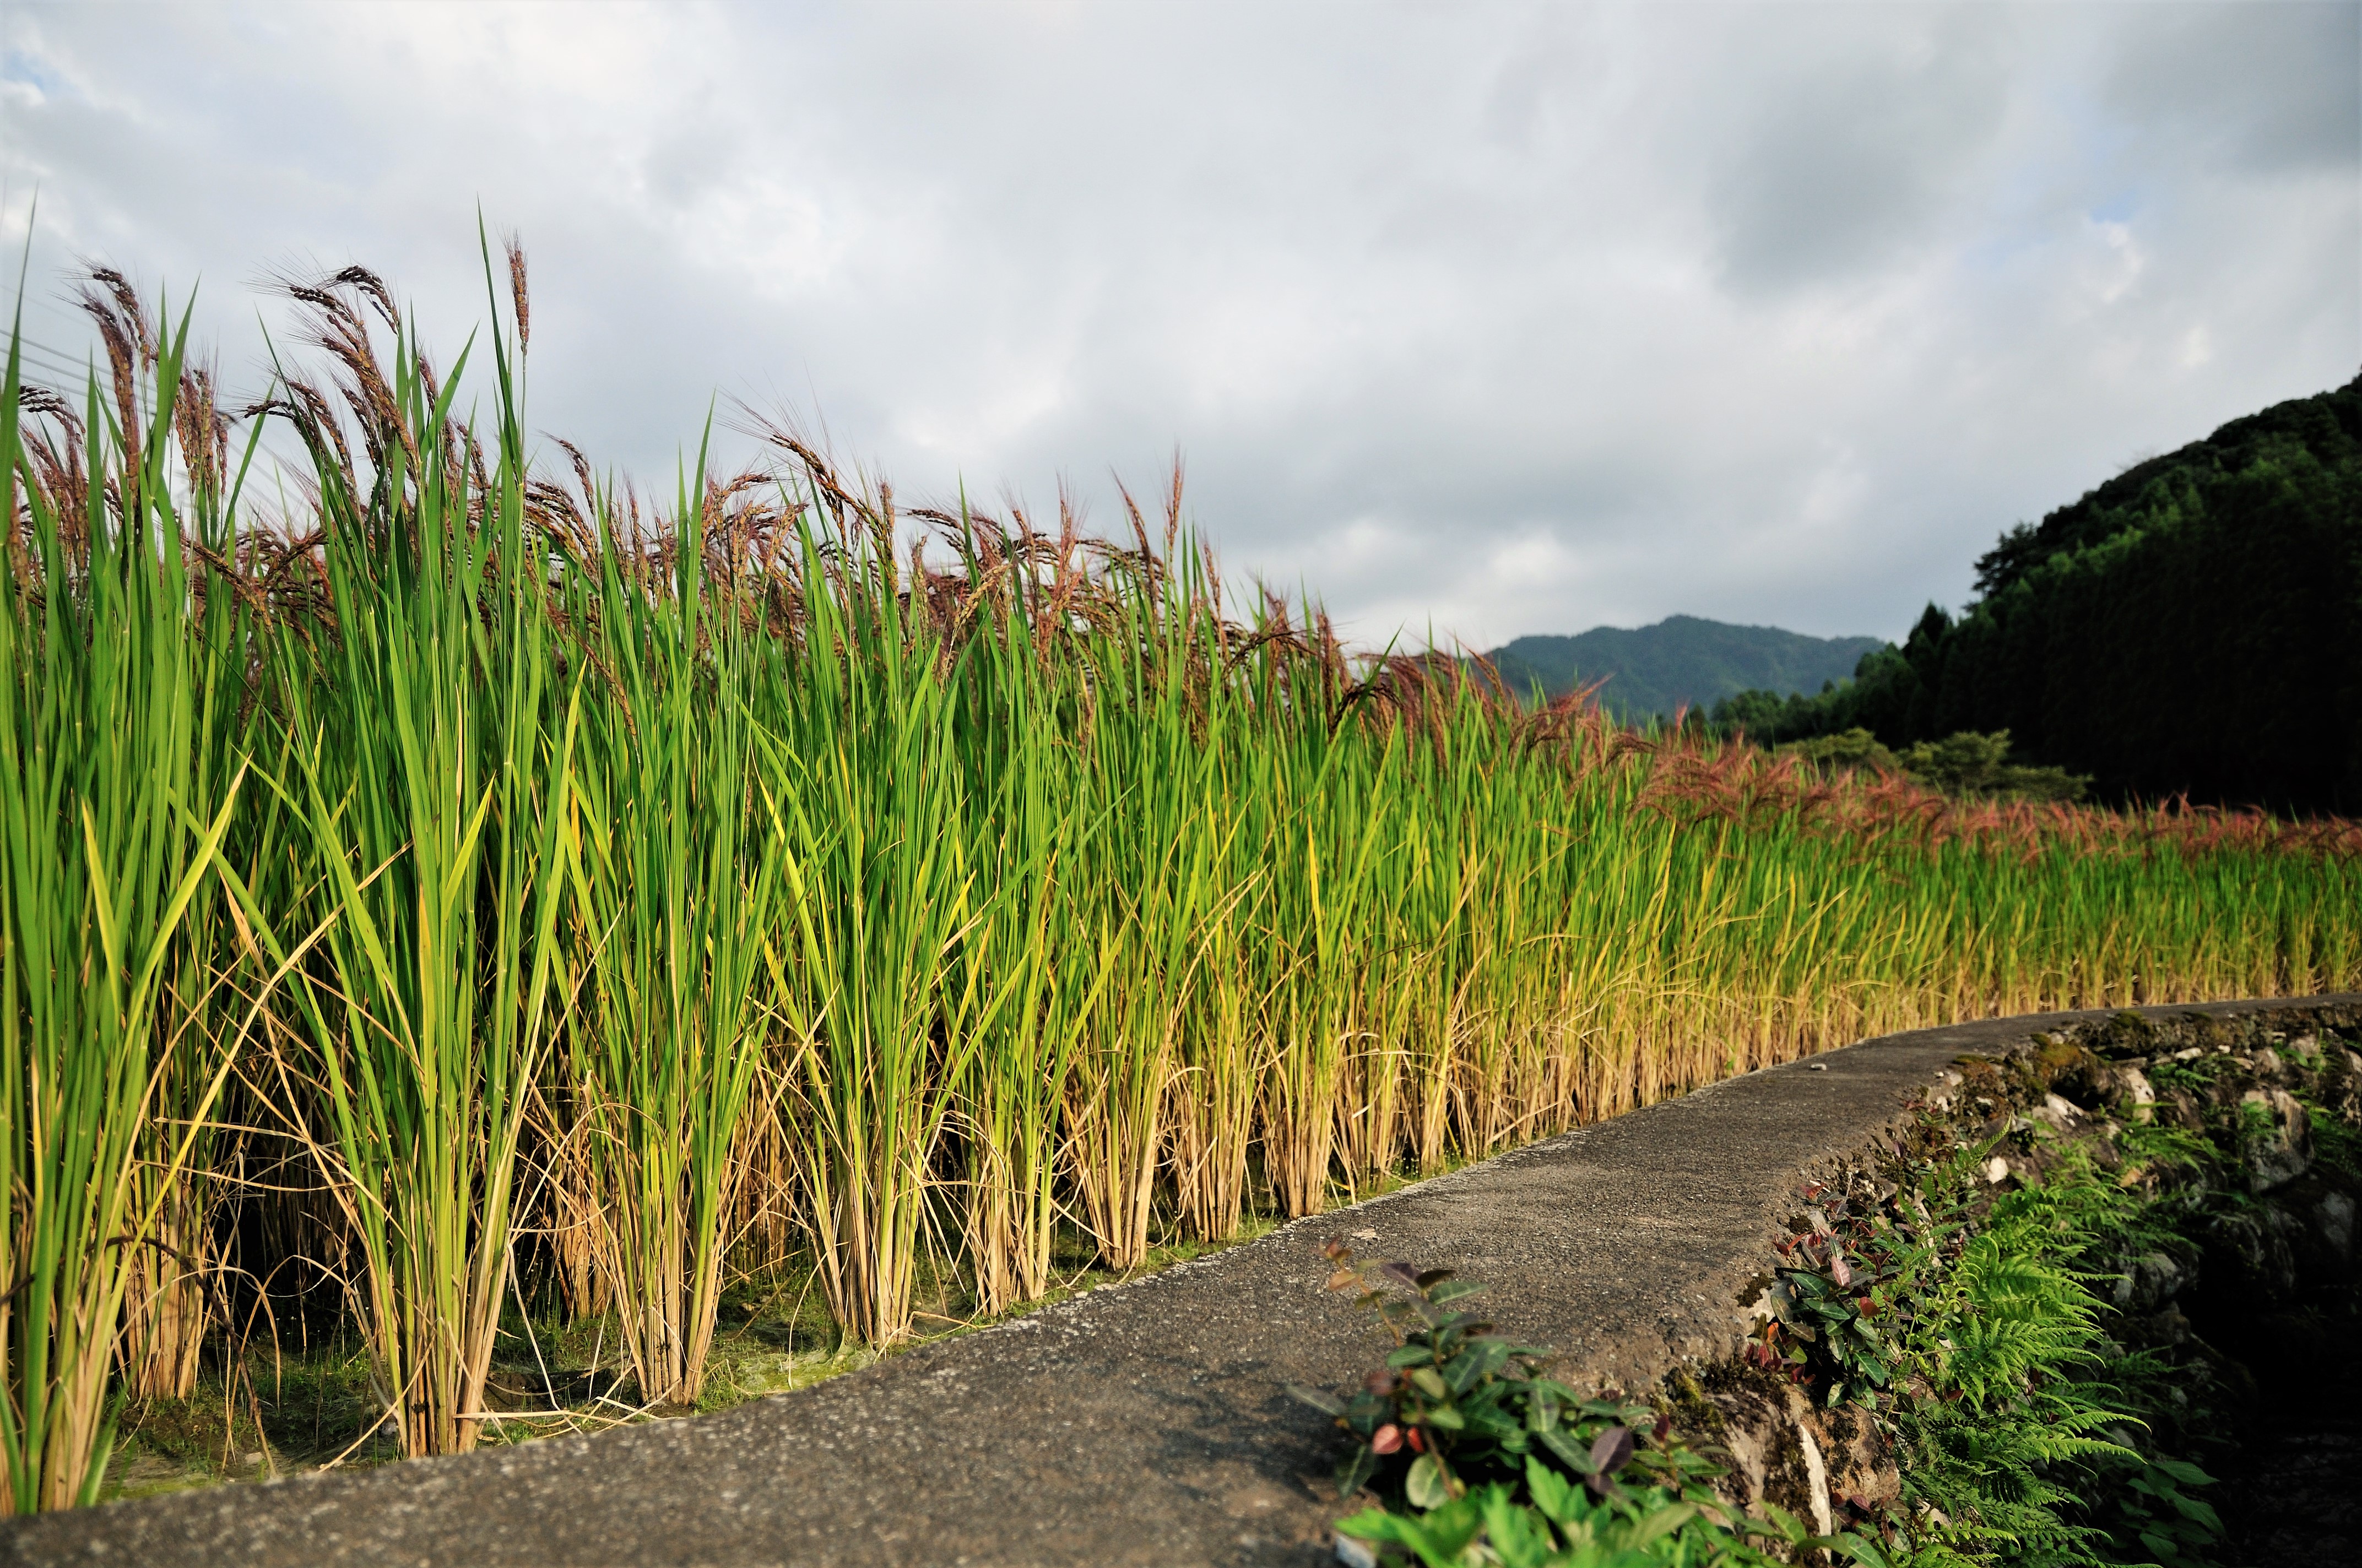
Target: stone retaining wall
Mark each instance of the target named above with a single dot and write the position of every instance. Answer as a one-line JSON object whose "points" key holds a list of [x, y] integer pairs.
{"points": [[2253, 1300]]}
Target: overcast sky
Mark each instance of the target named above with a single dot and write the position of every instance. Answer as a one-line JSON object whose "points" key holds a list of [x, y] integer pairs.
{"points": [[1492, 319]]}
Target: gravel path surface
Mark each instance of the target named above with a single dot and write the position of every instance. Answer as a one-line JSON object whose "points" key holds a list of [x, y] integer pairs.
{"points": [[1138, 1424]]}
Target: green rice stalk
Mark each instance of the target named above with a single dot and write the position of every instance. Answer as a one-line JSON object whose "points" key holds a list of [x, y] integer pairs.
{"points": [[868, 801], [429, 757], [107, 834], [1014, 1088], [672, 897]]}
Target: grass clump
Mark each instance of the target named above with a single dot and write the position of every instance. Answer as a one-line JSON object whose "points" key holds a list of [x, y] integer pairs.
{"points": [[1982, 1324]]}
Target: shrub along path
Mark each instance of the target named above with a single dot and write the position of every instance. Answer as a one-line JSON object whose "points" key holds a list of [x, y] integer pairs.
{"points": [[1139, 1424]]}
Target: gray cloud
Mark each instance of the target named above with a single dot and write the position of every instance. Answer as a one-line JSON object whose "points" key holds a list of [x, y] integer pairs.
{"points": [[2262, 88], [1846, 160], [1492, 320]]}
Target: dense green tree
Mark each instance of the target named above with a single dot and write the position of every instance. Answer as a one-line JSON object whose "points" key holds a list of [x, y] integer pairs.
{"points": [[2192, 626]]}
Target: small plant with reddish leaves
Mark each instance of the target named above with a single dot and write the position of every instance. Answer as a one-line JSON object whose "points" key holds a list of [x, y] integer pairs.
{"points": [[1843, 1297], [1456, 1402], [1500, 1463]]}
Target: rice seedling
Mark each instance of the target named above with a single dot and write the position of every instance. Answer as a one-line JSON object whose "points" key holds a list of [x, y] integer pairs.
{"points": [[658, 899]]}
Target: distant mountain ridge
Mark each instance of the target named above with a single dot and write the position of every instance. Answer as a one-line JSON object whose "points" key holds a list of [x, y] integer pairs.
{"points": [[1683, 660]]}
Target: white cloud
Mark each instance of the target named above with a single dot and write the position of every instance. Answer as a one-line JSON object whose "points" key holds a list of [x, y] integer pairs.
{"points": [[1497, 319]]}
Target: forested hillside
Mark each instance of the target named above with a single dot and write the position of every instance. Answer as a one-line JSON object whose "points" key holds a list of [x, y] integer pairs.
{"points": [[1682, 661], [2193, 625]]}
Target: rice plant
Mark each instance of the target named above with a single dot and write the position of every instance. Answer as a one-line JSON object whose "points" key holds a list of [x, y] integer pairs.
{"points": [[583, 898], [1030, 982], [426, 755], [109, 824], [672, 907], [877, 894]]}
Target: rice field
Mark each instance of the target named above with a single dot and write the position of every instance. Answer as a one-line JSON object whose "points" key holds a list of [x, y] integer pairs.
{"points": [[454, 874]]}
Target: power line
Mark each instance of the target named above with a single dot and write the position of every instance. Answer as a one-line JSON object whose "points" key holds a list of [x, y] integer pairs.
{"points": [[56, 361], [37, 347], [50, 359], [51, 362], [63, 375]]}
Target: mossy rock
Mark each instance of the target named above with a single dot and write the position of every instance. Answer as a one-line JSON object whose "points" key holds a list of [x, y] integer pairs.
{"points": [[1695, 1413], [2128, 1034], [2213, 1034], [2054, 1057]]}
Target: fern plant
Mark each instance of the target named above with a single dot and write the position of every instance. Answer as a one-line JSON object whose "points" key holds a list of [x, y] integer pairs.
{"points": [[1971, 1327], [1997, 1454]]}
